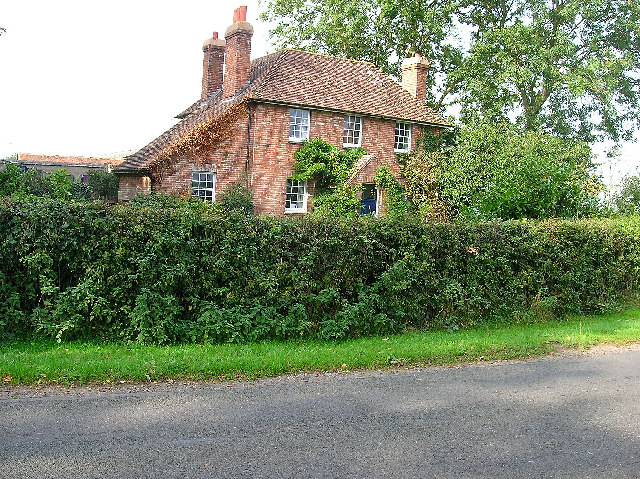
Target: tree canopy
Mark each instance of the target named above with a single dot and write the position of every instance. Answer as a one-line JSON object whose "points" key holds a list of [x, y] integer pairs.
{"points": [[497, 172], [627, 200], [567, 67]]}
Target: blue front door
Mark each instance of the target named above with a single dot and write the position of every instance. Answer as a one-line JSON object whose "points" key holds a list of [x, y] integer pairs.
{"points": [[369, 199]]}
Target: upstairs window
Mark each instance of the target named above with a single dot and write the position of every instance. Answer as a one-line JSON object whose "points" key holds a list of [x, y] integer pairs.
{"points": [[298, 125], [203, 185], [352, 131], [402, 142], [296, 198]]}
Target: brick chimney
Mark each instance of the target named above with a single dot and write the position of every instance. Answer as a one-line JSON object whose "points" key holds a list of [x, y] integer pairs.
{"points": [[237, 63], [414, 76], [213, 65]]}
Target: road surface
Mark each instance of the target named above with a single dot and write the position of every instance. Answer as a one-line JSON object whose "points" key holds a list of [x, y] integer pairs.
{"points": [[572, 416]]}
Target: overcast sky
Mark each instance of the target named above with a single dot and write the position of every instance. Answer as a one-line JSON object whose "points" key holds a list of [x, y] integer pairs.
{"points": [[89, 78]]}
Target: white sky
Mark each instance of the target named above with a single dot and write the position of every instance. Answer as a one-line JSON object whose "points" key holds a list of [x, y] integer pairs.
{"points": [[80, 77]]}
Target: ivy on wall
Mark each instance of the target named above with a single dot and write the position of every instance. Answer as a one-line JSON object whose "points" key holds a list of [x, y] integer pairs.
{"points": [[395, 198], [205, 137], [331, 169]]}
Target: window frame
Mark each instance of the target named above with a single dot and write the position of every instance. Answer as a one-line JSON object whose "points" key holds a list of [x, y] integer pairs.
{"points": [[408, 129], [346, 130], [288, 187], [299, 126], [197, 189]]}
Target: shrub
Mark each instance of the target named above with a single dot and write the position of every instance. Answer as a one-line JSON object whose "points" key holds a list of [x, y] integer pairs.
{"points": [[104, 185], [157, 274], [627, 200], [237, 199], [496, 171]]}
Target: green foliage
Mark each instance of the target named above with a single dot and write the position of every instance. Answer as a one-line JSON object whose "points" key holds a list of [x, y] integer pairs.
{"points": [[104, 185], [394, 195], [627, 200], [341, 202], [57, 185], [10, 179], [330, 168], [325, 163], [60, 184], [237, 199], [161, 275], [498, 172], [566, 67], [421, 172], [81, 191]]}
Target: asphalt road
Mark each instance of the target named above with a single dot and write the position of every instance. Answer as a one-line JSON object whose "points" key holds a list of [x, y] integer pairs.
{"points": [[574, 416]]}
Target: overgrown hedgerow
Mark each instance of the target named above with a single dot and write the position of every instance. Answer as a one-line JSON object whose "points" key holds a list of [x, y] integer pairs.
{"points": [[191, 274]]}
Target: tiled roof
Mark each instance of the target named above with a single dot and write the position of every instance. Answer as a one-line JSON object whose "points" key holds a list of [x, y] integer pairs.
{"points": [[326, 82], [68, 160], [298, 78]]}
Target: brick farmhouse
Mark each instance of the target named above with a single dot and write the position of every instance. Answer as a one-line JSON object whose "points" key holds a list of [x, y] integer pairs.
{"points": [[253, 115]]}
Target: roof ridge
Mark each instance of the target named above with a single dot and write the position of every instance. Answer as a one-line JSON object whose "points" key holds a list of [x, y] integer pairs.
{"points": [[70, 156], [332, 56]]}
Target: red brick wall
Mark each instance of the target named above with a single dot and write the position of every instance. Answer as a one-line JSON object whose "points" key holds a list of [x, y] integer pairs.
{"points": [[130, 186], [227, 160], [271, 155]]}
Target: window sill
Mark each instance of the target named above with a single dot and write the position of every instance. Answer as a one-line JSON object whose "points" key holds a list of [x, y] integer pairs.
{"points": [[350, 145], [298, 140], [401, 151], [299, 211]]}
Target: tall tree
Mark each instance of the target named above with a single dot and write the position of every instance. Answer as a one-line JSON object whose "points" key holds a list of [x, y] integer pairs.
{"points": [[379, 31], [569, 67]]}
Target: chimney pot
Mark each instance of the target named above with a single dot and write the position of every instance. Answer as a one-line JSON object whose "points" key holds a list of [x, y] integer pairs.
{"points": [[215, 35], [240, 14]]}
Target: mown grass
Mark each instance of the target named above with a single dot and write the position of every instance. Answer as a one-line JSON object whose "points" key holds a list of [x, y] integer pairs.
{"points": [[41, 361]]}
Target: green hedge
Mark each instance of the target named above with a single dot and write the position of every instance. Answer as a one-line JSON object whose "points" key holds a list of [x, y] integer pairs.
{"points": [[164, 275]]}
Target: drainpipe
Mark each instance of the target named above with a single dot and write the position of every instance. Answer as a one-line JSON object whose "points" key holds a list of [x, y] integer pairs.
{"points": [[246, 165]]}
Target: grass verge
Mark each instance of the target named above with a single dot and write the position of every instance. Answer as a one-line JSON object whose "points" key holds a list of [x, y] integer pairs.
{"points": [[47, 362]]}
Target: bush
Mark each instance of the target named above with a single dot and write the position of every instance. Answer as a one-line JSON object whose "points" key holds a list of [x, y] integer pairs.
{"points": [[496, 171], [158, 274], [14, 181], [236, 199], [104, 185]]}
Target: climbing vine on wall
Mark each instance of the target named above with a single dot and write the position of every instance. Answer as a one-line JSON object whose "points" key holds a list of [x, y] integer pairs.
{"points": [[205, 137], [395, 199], [421, 172], [331, 169]]}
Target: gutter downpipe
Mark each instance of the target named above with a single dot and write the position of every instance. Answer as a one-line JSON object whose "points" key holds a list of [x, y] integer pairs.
{"points": [[246, 165]]}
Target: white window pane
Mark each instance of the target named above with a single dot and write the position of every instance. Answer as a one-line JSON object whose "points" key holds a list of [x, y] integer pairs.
{"points": [[295, 195], [298, 124], [352, 131], [203, 185], [402, 141]]}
